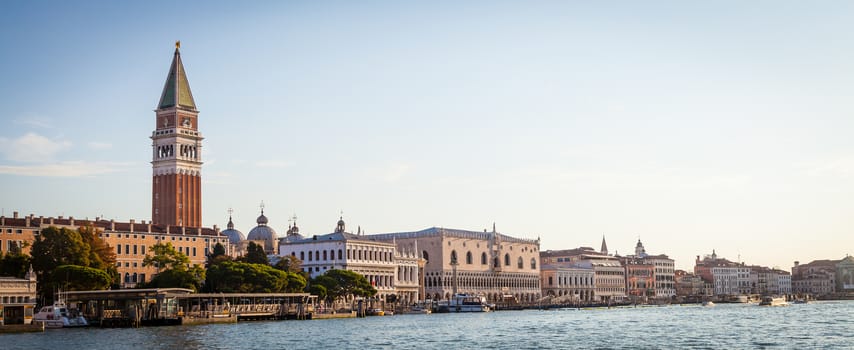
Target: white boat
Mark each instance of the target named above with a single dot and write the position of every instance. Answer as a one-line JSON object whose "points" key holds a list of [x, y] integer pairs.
{"points": [[708, 303], [468, 303], [773, 301], [59, 316]]}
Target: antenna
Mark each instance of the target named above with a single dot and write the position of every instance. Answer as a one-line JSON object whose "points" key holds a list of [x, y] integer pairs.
{"points": [[230, 211]]}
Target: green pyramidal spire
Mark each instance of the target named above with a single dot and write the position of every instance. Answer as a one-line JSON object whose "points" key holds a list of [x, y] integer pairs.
{"points": [[176, 92]]}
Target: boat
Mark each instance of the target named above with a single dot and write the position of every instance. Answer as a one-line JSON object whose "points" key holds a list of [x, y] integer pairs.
{"points": [[59, 315], [708, 303], [468, 303], [375, 312], [773, 301]]}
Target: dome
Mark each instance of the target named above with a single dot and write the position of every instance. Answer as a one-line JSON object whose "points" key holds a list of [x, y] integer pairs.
{"points": [[265, 233], [262, 220], [234, 236]]}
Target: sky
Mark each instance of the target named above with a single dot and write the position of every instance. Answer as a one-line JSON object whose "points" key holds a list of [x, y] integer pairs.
{"points": [[691, 126]]}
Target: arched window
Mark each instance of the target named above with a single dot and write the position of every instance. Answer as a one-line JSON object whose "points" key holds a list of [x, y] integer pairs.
{"points": [[453, 257], [302, 256], [520, 264], [533, 263], [324, 255], [495, 262], [506, 259], [340, 255], [425, 256], [483, 258], [469, 259]]}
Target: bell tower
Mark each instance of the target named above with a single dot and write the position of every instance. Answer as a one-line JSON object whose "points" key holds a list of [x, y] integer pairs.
{"points": [[176, 153]]}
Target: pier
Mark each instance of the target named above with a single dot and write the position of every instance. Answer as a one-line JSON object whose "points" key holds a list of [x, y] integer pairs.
{"points": [[178, 306]]}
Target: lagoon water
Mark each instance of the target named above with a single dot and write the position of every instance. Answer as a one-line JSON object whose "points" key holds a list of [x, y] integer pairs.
{"points": [[818, 325]]}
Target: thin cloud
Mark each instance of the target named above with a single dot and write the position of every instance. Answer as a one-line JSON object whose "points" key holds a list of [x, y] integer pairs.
{"points": [[65, 169], [99, 145], [276, 164], [34, 121], [31, 147]]}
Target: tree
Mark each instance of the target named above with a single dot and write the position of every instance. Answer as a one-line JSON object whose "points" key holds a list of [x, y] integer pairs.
{"points": [[255, 254], [75, 277], [289, 263], [319, 290], [343, 283], [296, 282], [55, 247], [14, 264], [243, 277], [101, 255], [174, 270], [217, 256]]}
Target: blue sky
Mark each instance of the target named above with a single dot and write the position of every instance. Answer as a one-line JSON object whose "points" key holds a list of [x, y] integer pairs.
{"points": [[692, 126]]}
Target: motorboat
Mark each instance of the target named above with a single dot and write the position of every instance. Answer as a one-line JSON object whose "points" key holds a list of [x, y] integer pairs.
{"points": [[59, 315], [468, 303], [773, 301], [708, 303]]}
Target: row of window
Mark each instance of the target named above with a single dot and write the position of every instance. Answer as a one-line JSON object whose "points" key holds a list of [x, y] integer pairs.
{"points": [[352, 254], [483, 260], [16, 299], [18, 231], [140, 249]]}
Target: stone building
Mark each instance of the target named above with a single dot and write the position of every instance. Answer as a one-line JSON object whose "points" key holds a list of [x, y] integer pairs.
{"points": [[342, 250], [845, 276], [662, 285], [609, 274], [131, 240], [816, 278], [727, 277], [491, 264], [17, 299], [568, 284]]}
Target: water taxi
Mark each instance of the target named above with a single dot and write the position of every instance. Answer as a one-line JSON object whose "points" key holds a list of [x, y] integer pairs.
{"points": [[59, 316], [466, 303], [773, 301]]}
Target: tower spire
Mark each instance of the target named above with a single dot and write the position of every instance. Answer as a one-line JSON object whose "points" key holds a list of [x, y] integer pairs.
{"points": [[604, 249], [176, 91]]}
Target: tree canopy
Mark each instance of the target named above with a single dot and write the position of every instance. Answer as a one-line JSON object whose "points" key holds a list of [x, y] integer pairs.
{"points": [[55, 247], [243, 277], [75, 277], [342, 283], [174, 270], [289, 263], [14, 264], [255, 254]]}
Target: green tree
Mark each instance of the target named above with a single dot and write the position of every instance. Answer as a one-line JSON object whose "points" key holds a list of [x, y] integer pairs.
{"points": [[101, 255], [217, 256], [289, 263], [174, 270], [319, 290], [52, 248], [255, 254], [343, 283], [296, 282], [14, 264], [243, 277], [75, 277]]}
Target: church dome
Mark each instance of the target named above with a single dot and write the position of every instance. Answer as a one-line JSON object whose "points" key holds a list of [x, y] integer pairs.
{"points": [[265, 233], [234, 236]]}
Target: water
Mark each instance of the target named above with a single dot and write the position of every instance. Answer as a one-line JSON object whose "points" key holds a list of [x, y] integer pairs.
{"points": [[819, 325]]}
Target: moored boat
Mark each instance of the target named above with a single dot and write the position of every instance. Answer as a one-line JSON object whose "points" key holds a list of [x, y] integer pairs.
{"points": [[468, 303], [773, 301], [59, 315]]}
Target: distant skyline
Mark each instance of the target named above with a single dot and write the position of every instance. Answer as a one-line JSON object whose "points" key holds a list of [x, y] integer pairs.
{"points": [[689, 126]]}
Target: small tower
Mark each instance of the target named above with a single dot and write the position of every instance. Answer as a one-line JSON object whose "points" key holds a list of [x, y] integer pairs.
{"points": [[640, 252], [604, 249], [339, 228]]}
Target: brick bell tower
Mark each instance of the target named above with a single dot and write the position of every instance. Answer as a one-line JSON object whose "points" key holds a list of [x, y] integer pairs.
{"points": [[176, 197]]}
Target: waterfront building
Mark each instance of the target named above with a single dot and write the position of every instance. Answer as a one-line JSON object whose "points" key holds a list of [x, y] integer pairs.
{"points": [[17, 299], [609, 281], [768, 281], [17, 234], [663, 284], [372, 258], [568, 284], [131, 240], [495, 265], [816, 278], [728, 278], [845, 276], [176, 198], [689, 285]]}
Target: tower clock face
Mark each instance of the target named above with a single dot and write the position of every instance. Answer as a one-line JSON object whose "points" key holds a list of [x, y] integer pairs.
{"points": [[187, 122]]}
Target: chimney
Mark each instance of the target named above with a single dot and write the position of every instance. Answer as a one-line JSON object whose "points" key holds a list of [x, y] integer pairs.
{"points": [[183, 230], [797, 263], [167, 229], [149, 226], [131, 225], [14, 215], [216, 229], [51, 220], [112, 225], [28, 221], [61, 217], [71, 218], [41, 220], [2, 221], [199, 231]]}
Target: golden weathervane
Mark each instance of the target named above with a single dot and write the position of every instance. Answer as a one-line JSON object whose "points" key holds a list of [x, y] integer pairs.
{"points": [[178, 44]]}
